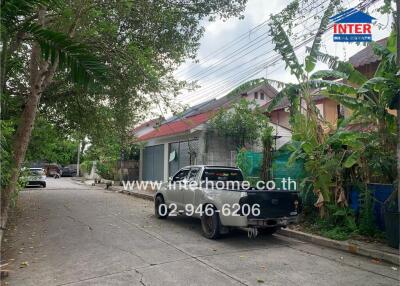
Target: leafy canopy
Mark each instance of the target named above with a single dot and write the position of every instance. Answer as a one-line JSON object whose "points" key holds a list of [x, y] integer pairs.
{"points": [[242, 122]]}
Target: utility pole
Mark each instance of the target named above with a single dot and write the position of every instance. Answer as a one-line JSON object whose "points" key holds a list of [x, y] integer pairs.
{"points": [[79, 155]]}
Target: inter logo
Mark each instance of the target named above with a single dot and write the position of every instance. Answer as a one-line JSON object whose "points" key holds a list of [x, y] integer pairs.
{"points": [[352, 25]]}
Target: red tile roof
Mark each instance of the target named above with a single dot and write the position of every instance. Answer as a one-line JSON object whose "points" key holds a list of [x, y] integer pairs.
{"points": [[179, 126]]}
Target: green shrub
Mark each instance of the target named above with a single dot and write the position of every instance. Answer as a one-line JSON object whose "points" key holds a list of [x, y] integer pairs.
{"points": [[106, 169], [86, 166], [338, 223], [367, 224], [336, 233]]}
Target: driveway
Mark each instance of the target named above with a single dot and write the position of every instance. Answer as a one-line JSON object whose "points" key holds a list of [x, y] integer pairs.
{"points": [[73, 234]]}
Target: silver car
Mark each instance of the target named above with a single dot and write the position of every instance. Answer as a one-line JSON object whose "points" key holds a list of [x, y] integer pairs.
{"points": [[35, 177], [217, 195]]}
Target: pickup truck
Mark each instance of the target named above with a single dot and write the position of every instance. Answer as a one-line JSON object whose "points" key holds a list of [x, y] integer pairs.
{"points": [[216, 196]]}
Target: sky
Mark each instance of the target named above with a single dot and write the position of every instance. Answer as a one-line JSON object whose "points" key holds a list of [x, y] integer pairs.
{"points": [[232, 51]]}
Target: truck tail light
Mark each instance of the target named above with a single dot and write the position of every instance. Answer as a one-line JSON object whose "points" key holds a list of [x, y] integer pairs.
{"points": [[296, 205]]}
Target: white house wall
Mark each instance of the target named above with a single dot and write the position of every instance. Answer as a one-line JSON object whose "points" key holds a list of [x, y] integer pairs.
{"points": [[284, 133], [267, 95]]}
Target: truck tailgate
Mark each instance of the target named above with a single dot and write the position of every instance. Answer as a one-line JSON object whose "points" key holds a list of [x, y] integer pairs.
{"points": [[273, 204]]}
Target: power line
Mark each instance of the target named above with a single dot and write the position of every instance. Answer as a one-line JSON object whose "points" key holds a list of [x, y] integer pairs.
{"points": [[227, 46], [253, 70], [237, 52], [241, 64], [226, 63], [219, 87]]}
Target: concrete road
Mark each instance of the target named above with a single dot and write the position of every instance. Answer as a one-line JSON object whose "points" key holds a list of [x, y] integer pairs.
{"points": [[73, 234]]}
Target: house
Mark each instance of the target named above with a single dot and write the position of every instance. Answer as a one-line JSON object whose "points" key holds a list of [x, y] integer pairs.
{"points": [[366, 62], [329, 109], [187, 138]]}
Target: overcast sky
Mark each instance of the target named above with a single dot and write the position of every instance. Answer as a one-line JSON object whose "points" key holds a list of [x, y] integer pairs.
{"points": [[233, 63]]}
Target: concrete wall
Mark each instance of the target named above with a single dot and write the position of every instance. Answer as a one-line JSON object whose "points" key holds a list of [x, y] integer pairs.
{"points": [[268, 93], [218, 150], [259, 101], [327, 108]]}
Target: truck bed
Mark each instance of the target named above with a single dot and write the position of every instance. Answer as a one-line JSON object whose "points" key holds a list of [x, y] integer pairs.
{"points": [[273, 204]]}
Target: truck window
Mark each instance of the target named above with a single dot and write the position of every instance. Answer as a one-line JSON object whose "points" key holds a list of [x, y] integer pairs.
{"points": [[181, 175], [193, 174], [37, 172], [222, 175]]}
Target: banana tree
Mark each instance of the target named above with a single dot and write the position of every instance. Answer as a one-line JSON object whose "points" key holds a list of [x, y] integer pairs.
{"points": [[369, 100], [327, 165], [305, 119], [300, 94]]}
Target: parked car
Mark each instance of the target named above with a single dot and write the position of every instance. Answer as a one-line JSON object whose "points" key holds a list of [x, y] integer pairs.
{"points": [[35, 177], [53, 170], [220, 209], [68, 171]]}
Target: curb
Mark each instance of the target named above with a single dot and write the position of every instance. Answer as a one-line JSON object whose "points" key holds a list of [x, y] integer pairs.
{"points": [[145, 196], [341, 245]]}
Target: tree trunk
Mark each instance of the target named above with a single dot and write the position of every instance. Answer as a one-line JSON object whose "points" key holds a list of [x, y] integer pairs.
{"points": [[267, 160], [3, 63], [25, 126], [41, 74], [398, 100]]}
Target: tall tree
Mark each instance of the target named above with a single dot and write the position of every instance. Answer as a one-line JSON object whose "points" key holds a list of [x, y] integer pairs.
{"points": [[49, 43], [26, 22]]}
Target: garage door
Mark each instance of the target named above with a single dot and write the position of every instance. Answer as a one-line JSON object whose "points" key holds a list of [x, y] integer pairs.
{"points": [[153, 163]]}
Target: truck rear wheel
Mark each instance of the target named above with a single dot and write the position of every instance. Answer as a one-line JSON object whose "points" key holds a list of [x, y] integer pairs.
{"points": [[211, 225], [160, 208]]}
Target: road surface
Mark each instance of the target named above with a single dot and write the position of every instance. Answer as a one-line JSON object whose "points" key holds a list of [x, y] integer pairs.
{"points": [[73, 234]]}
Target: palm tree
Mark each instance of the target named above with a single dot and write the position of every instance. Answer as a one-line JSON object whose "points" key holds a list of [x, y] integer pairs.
{"points": [[26, 21]]}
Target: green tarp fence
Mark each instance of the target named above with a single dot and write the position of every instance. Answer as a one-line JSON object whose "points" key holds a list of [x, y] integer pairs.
{"points": [[250, 162]]}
